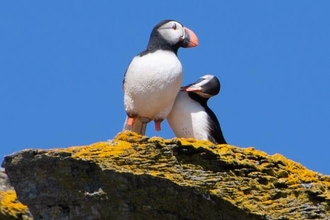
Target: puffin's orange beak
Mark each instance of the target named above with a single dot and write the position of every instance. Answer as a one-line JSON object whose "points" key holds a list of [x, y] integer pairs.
{"points": [[189, 39], [192, 88]]}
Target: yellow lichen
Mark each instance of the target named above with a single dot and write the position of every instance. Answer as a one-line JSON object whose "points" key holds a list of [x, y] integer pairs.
{"points": [[10, 206], [128, 136], [297, 173], [193, 142]]}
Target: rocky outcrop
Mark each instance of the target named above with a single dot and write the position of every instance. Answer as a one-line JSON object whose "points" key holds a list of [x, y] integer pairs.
{"points": [[135, 177]]}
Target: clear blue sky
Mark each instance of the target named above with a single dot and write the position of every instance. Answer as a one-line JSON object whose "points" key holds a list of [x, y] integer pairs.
{"points": [[62, 65]]}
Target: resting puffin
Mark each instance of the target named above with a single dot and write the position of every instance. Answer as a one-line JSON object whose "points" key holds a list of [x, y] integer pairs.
{"points": [[191, 117], [153, 77]]}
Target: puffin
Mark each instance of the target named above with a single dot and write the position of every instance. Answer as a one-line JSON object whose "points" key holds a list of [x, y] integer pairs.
{"points": [[153, 77], [191, 117]]}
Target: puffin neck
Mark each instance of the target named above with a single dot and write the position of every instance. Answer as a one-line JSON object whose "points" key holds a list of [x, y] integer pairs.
{"points": [[157, 42], [198, 98]]}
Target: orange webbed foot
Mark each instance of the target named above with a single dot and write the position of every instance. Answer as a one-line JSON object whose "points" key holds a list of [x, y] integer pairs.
{"points": [[130, 121], [157, 125]]}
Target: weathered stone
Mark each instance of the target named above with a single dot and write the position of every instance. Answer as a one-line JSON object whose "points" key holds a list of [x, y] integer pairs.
{"points": [[10, 207], [4, 181], [135, 177]]}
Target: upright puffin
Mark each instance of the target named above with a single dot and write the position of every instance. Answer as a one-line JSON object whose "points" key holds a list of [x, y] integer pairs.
{"points": [[191, 117], [153, 77]]}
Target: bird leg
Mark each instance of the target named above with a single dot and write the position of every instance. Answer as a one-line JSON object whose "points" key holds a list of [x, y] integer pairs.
{"points": [[130, 120], [157, 124], [144, 121]]}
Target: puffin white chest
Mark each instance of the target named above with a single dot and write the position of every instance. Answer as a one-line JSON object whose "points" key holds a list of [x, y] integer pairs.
{"points": [[188, 118], [152, 82]]}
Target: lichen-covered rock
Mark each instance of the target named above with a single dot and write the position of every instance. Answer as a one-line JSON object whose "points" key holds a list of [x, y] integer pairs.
{"points": [[10, 207], [135, 177]]}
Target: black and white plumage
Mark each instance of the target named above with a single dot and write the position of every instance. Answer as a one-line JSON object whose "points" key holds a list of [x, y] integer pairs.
{"points": [[153, 77], [191, 117]]}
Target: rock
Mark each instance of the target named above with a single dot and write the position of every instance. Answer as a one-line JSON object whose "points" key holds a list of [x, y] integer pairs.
{"points": [[10, 207], [4, 181], [135, 177]]}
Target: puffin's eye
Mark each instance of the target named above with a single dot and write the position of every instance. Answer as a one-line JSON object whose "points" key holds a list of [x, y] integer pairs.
{"points": [[174, 27]]}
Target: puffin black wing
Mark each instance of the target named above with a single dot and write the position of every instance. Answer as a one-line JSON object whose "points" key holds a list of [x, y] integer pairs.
{"points": [[216, 135]]}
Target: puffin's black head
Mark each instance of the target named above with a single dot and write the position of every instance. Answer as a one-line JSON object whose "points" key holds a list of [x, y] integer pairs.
{"points": [[170, 35], [206, 86]]}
